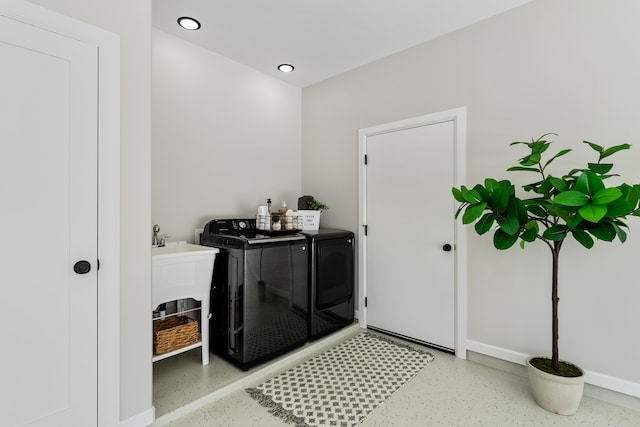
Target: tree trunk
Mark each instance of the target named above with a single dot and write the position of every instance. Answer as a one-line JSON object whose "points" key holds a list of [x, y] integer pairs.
{"points": [[555, 361]]}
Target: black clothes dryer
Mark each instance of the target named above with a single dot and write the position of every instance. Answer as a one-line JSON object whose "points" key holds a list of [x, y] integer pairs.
{"points": [[331, 280]]}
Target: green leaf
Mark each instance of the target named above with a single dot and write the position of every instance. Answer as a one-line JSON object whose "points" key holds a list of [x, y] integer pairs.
{"points": [[583, 238], [537, 201], [589, 183], [522, 168], [571, 198], [491, 184], [471, 196], [484, 194], [537, 211], [518, 208], [604, 231], [502, 240], [473, 212], [619, 207], [485, 223], [457, 194], [500, 199], [530, 160], [592, 212], [557, 232], [560, 153], [509, 224], [596, 147], [613, 150], [511, 189], [540, 146], [574, 221], [600, 168], [619, 222], [531, 232], [563, 212], [534, 186], [606, 196], [631, 194], [546, 134], [622, 235], [544, 187], [558, 184]]}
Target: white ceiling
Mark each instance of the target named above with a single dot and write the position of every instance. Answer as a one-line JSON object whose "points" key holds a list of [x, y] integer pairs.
{"points": [[321, 38]]}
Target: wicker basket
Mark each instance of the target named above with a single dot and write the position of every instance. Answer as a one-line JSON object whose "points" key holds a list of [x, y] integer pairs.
{"points": [[279, 222], [173, 333]]}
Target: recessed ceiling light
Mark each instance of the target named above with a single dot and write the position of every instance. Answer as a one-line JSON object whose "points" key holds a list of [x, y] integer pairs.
{"points": [[286, 68], [188, 23]]}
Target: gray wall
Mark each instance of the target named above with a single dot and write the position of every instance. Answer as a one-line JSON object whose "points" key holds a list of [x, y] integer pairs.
{"points": [[135, 110], [225, 138], [564, 66]]}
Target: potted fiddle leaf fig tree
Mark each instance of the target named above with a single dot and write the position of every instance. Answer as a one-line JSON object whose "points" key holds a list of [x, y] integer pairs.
{"points": [[576, 204]]}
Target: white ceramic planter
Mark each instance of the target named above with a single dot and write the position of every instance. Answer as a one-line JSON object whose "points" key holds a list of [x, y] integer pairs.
{"points": [[560, 395]]}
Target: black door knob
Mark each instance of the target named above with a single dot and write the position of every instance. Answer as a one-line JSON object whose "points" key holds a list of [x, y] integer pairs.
{"points": [[446, 247], [82, 267]]}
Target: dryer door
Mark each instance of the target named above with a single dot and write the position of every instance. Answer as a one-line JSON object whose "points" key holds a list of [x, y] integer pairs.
{"points": [[334, 272]]}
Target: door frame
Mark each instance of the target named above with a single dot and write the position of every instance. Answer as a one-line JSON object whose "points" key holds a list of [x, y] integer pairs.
{"points": [[108, 227], [459, 118]]}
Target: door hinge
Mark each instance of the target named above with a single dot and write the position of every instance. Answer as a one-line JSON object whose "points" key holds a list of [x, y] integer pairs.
{"points": [[366, 159], [365, 301]]}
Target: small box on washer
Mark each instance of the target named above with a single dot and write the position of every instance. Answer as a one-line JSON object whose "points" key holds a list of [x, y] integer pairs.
{"points": [[310, 219]]}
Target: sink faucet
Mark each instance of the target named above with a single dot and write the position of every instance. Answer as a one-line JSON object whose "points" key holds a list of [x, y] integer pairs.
{"points": [[154, 241], [158, 241]]}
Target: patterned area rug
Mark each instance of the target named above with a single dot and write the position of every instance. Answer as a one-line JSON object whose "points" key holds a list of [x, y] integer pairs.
{"points": [[343, 385]]}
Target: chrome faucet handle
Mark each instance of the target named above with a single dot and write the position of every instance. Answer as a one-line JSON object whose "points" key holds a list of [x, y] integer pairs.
{"points": [[163, 237]]}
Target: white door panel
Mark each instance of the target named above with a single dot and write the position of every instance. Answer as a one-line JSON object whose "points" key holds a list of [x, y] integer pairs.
{"points": [[48, 181], [409, 208]]}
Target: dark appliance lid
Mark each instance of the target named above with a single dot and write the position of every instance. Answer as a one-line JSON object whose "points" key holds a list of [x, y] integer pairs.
{"points": [[245, 229]]}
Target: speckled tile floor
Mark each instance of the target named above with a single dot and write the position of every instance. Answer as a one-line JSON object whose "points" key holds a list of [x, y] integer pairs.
{"points": [[448, 392]]}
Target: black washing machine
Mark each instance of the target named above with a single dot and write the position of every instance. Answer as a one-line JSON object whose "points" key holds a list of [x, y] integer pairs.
{"points": [[259, 292], [331, 280]]}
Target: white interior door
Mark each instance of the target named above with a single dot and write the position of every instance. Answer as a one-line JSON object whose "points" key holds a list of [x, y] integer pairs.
{"points": [[410, 281], [48, 182]]}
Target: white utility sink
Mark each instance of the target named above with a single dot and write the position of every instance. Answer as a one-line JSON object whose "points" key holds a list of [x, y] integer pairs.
{"points": [[181, 270], [179, 249]]}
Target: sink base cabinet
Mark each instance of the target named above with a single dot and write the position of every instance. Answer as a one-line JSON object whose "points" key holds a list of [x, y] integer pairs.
{"points": [[180, 328]]}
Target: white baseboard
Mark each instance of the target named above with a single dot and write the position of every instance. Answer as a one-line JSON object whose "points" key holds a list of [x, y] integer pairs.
{"points": [[142, 419], [497, 352], [594, 378], [613, 383]]}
